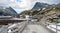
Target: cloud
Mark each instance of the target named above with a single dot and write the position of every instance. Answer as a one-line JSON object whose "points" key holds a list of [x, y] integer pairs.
{"points": [[25, 5], [21, 5], [50, 1]]}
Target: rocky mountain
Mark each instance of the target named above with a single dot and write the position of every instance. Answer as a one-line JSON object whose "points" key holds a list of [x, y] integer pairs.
{"points": [[12, 10], [45, 13], [7, 11], [44, 9], [40, 5]]}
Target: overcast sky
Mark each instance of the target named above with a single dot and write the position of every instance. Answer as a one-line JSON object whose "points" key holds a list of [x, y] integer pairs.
{"points": [[21, 5]]}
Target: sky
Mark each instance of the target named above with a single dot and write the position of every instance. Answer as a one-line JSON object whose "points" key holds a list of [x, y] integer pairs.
{"points": [[21, 5]]}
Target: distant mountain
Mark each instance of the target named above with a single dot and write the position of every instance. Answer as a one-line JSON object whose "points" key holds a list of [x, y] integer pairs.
{"points": [[48, 8], [12, 10], [7, 11], [58, 5], [40, 5]]}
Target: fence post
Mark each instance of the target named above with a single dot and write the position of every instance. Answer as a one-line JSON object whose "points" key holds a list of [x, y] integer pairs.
{"points": [[56, 27]]}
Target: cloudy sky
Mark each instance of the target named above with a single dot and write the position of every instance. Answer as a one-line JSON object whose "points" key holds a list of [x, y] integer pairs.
{"points": [[21, 5]]}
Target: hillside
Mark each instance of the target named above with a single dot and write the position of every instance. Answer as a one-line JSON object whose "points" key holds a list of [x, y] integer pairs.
{"points": [[40, 5], [49, 12], [41, 8], [7, 11]]}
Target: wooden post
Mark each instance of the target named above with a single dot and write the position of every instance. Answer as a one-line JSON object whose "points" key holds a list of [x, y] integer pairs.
{"points": [[56, 27]]}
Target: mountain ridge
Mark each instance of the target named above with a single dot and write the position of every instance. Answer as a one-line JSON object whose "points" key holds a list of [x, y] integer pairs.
{"points": [[7, 11], [40, 5]]}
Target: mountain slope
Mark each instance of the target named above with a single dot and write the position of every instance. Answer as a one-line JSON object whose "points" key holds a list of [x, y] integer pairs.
{"points": [[40, 5], [4, 11]]}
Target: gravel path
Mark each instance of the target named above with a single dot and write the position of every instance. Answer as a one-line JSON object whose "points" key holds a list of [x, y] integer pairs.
{"points": [[35, 28]]}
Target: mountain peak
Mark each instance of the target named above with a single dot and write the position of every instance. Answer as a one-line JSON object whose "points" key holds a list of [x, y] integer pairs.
{"points": [[40, 5]]}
